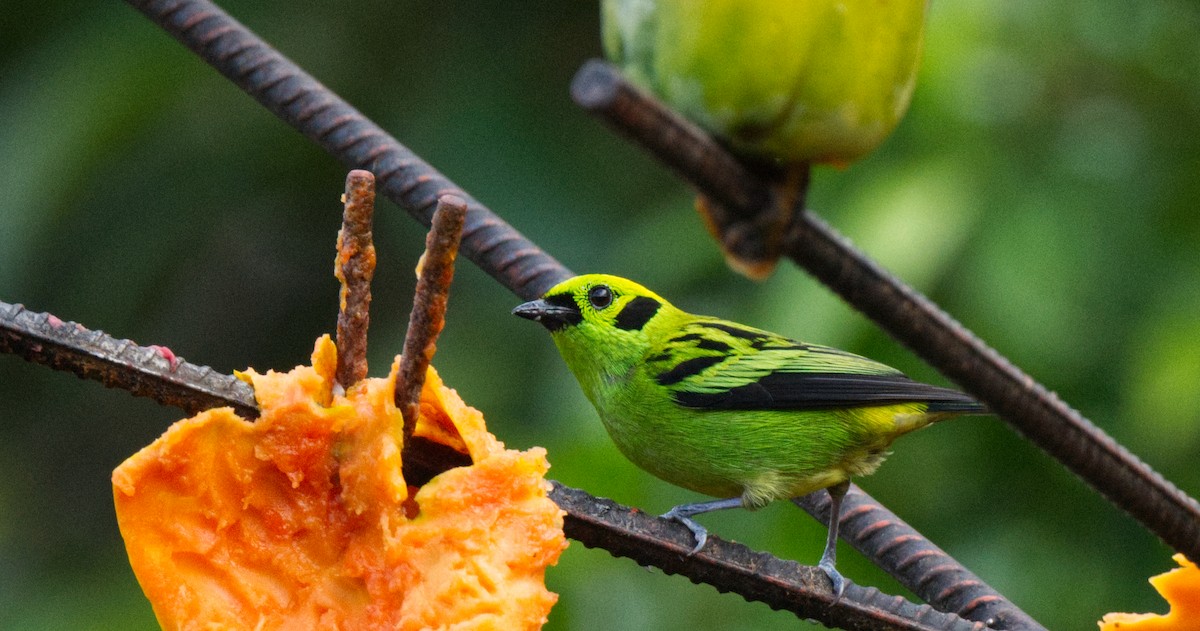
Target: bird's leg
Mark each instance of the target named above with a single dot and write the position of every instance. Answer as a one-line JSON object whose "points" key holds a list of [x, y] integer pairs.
{"points": [[829, 556], [684, 513]]}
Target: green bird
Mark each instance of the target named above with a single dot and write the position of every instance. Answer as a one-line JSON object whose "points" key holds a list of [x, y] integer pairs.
{"points": [[727, 410]]}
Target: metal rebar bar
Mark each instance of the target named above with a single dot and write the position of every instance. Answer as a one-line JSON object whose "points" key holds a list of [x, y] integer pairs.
{"points": [[354, 267], [916, 563], [759, 576], [914, 320], [312, 109], [148, 371], [428, 315], [144, 371]]}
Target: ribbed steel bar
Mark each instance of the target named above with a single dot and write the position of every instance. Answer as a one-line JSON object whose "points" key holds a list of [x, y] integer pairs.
{"points": [[428, 315], [354, 267], [145, 371], [759, 576], [154, 372], [304, 103], [904, 313], [916, 563]]}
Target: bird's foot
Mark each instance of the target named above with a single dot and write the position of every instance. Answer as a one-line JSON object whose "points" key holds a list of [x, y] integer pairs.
{"points": [[835, 578], [828, 562], [698, 531], [684, 513]]}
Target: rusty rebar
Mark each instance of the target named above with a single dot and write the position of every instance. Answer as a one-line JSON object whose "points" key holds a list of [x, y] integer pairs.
{"points": [[914, 320], [916, 563], [428, 316], [599, 89], [758, 576], [145, 371], [354, 267]]}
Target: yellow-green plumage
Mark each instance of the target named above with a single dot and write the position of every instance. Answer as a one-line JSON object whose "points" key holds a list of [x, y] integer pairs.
{"points": [[725, 409]]}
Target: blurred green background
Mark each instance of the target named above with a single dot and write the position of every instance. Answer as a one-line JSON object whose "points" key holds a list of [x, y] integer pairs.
{"points": [[1043, 189]]}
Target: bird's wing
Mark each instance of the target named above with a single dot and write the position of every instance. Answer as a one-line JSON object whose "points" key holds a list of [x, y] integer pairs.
{"points": [[712, 364]]}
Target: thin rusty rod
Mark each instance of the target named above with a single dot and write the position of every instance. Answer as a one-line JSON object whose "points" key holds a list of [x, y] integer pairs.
{"points": [[914, 320], [428, 316], [601, 90], [354, 268], [144, 371], [914, 561], [325, 118]]}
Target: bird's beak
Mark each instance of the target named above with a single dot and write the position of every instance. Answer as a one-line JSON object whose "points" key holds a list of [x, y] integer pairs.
{"points": [[551, 316]]}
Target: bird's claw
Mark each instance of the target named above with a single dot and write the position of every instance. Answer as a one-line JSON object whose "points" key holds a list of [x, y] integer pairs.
{"points": [[698, 531], [838, 582]]}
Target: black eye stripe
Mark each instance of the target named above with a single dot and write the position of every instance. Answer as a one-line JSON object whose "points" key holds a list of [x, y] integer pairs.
{"points": [[562, 300], [567, 313]]}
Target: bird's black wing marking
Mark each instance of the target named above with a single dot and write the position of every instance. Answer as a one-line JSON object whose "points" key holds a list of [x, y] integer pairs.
{"points": [[824, 391], [687, 368], [734, 330]]}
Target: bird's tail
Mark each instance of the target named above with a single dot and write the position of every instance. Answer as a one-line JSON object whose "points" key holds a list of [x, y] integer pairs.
{"points": [[940, 410], [958, 406]]}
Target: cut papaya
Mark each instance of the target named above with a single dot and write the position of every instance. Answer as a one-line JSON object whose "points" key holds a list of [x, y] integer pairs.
{"points": [[303, 519]]}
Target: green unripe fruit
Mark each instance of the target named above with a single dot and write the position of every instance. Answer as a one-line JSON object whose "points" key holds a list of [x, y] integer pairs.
{"points": [[791, 81]]}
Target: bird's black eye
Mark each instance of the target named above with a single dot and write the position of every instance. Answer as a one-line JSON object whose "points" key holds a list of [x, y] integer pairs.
{"points": [[600, 296]]}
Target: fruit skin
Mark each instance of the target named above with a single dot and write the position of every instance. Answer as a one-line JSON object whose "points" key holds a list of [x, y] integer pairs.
{"points": [[728, 410], [818, 81], [784, 84]]}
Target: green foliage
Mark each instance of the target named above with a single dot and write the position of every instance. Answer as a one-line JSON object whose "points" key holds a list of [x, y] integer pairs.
{"points": [[1042, 188]]}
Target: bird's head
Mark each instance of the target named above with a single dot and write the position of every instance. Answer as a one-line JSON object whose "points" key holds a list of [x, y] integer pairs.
{"points": [[594, 302], [598, 321]]}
